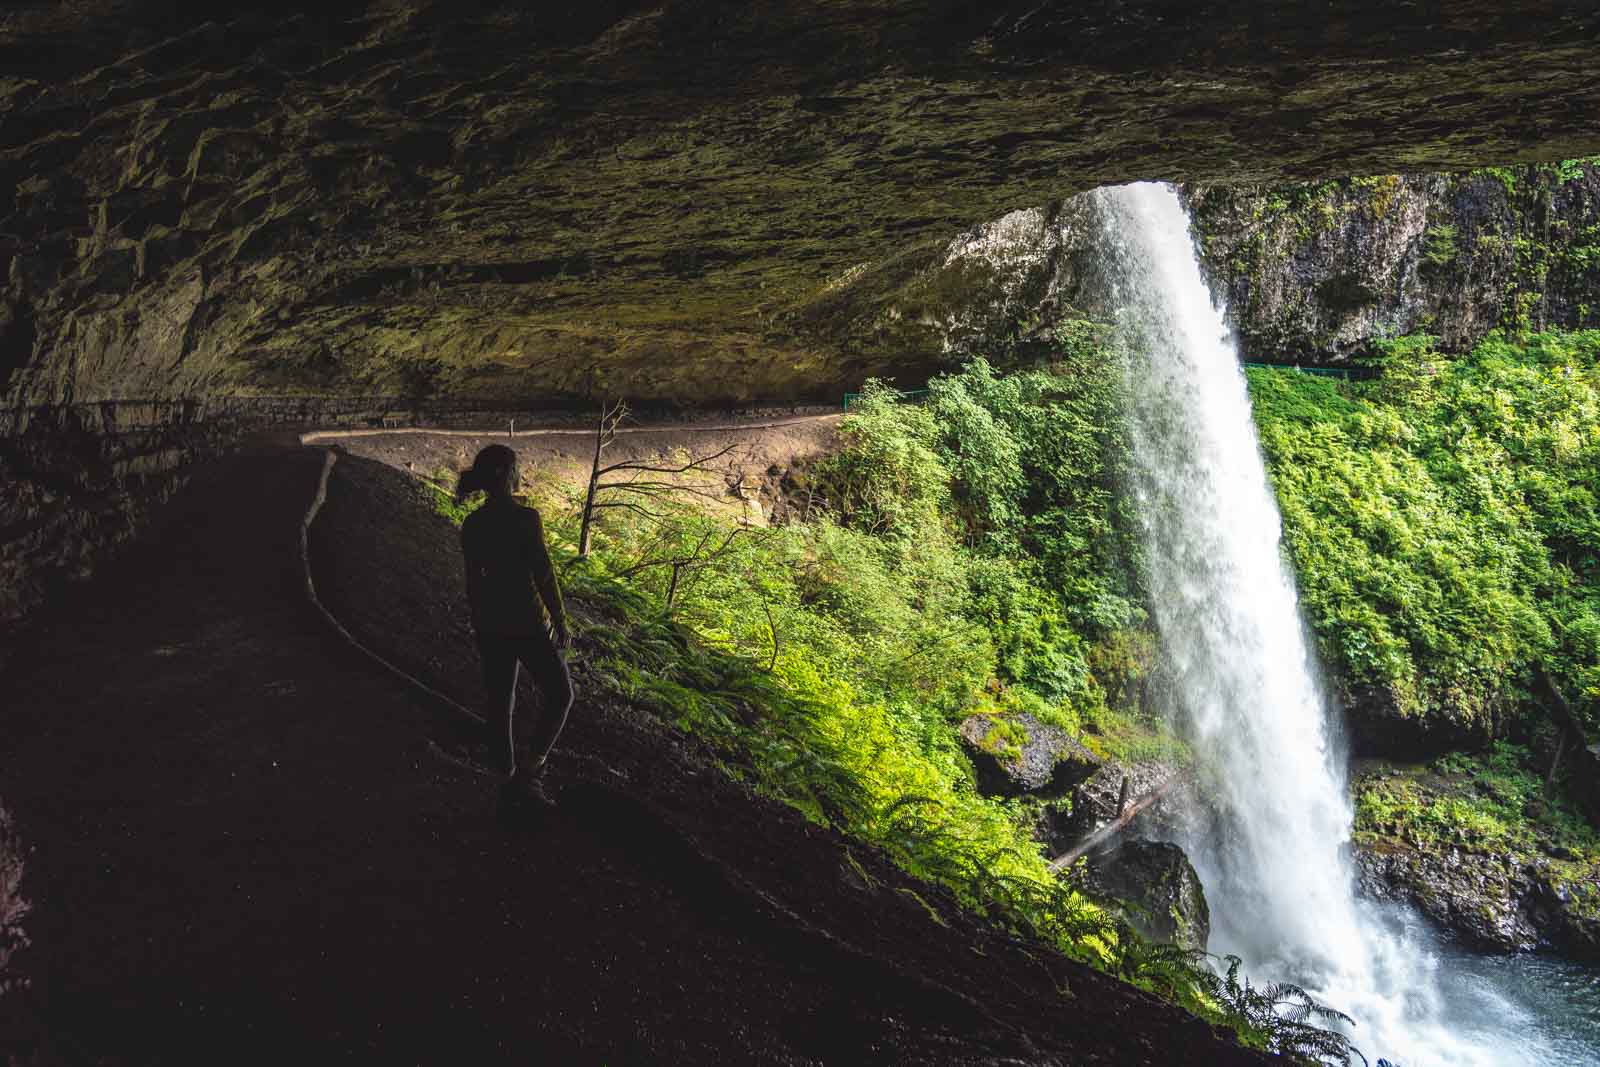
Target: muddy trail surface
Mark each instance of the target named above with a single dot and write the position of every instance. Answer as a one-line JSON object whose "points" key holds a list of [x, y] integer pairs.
{"points": [[245, 848]]}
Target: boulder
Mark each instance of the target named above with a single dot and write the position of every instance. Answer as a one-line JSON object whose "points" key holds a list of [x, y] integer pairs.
{"points": [[1498, 902], [1379, 728], [1016, 755], [1568, 909], [1153, 885], [1477, 896]]}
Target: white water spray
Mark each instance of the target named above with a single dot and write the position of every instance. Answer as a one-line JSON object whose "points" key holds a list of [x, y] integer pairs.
{"points": [[1273, 854]]}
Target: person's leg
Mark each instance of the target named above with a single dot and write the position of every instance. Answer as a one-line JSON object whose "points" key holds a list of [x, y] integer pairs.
{"points": [[548, 669], [499, 658]]}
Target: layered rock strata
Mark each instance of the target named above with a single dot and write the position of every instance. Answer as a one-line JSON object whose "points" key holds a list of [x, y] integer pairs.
{"points": [[692, 201]]}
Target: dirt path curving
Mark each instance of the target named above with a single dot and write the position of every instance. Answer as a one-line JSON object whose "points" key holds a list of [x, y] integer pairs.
{"points": [[244, 852]]}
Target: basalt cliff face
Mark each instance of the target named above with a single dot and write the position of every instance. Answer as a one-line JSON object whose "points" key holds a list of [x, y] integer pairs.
{"points": [[1309, 271], [690, 201], [1314, 271]]}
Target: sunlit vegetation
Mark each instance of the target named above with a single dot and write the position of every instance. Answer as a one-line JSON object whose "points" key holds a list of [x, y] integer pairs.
{"points": [[1493, 802], [1443, 522], [961, 555]]}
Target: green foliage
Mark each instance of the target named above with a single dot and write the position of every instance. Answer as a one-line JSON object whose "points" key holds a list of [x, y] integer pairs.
{"points": [[1443, 519], [1439, 245], [969, 557], [1493, 802], [1571, 170], [1506, 176], [441, 494], [1284, 1016], [888, 480]]}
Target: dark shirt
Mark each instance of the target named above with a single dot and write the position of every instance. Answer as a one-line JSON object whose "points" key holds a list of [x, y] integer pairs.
{"points": [[510, 581]]}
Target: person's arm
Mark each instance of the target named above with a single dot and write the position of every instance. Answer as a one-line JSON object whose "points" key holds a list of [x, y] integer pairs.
{"points": [[544, 579]]}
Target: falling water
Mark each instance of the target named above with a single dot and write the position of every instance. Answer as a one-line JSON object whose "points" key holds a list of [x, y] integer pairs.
{"points": [[1272, 851]]}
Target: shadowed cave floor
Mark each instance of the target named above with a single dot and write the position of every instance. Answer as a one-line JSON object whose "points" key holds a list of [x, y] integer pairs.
{"points": [[242, 848]]}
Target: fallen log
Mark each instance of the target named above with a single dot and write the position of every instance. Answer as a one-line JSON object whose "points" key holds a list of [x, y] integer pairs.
{"points": [[1129, 812]]}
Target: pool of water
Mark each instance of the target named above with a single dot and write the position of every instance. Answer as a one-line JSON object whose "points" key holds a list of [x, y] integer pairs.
{"points": [[1513, 1011]]}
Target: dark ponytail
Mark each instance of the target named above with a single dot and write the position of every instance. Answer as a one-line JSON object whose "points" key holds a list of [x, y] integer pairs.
{"points": [[493, 471]]}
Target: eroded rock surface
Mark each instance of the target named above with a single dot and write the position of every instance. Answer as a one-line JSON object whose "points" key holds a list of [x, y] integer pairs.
{"points": [[1505, 903], [692, 201], [1310, 272], [1316, 271], [1510, 882], [1379, 726], [1490, 900], [1155, 888]]}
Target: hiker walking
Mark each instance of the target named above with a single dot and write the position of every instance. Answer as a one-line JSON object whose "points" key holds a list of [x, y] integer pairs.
{"points": [[519, 621]]}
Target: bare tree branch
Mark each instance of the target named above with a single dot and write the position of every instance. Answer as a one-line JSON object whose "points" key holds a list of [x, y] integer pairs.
{"points": [[697, 463], [772, 627], [629, 477]]}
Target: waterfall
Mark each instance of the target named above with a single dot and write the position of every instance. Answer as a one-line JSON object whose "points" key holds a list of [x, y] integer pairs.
{"points": [[1272, 850]]}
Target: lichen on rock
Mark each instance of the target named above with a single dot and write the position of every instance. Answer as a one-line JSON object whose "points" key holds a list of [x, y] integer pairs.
{"points": [[1315, 271], [1015, 754], [1482, 849]]}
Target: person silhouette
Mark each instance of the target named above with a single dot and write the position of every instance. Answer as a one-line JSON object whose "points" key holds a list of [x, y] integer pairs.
{"points": [[519, 621]]}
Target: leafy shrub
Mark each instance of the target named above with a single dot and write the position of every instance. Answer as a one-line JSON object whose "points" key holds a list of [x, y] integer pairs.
{"points": [[1494, 802], [971, 557], [1443, 520]]}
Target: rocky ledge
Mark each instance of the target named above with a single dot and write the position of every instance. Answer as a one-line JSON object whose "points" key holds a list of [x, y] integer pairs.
{"points": [[1501, 902], [1483, 847], [689, 200]]}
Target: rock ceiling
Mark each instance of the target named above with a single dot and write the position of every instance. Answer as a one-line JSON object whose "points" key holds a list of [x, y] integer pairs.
{"points": [[699, 201]]}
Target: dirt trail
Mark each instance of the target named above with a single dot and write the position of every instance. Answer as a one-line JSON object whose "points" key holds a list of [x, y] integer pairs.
{"points": [[244, 852], [753, 473], [317, 437]]}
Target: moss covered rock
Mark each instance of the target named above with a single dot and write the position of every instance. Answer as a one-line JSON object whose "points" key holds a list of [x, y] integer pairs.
{"points": [[1015, 754], [1315, 271], [1155, 888], [1479, 846], [663, 201]]}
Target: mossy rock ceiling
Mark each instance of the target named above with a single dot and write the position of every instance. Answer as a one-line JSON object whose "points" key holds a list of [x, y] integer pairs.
{"points": [[672, 200]]}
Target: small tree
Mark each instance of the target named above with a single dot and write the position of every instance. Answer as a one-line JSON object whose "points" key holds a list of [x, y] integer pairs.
{"points": [[687, 557], [627, 484]]}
